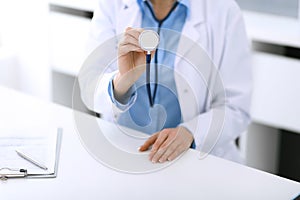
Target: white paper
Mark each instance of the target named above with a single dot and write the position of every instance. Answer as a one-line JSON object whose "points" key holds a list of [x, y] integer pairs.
{"points": [[39, 148]]}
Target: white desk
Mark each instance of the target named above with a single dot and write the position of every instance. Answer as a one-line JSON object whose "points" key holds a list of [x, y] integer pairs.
{"points": [[82, 177]]}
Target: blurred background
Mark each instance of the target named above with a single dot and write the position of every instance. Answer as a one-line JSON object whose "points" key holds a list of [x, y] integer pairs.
{"points": [[42, 45]]}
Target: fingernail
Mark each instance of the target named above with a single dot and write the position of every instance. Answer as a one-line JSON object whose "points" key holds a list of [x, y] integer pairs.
{"points": [[160, 160], [153, 161]]}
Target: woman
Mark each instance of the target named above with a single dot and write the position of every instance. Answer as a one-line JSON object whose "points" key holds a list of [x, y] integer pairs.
{"points": [[216, 26]]}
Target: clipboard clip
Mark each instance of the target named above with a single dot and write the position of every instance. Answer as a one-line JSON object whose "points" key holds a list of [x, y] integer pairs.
{"points": [[6, 173]]}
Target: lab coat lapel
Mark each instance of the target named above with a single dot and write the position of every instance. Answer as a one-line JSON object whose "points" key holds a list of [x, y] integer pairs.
{"points": [[129, 16], [194, 33], [191, 31]]}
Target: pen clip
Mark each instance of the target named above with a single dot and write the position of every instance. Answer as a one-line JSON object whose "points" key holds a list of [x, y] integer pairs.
{"points": [[6, 173]]}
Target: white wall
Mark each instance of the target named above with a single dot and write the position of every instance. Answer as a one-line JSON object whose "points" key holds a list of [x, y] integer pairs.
{"points": [[24, 31]]}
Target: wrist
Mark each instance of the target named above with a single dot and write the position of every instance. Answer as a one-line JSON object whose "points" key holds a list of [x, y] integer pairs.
{"points": [[120, 86], [190, 137]]}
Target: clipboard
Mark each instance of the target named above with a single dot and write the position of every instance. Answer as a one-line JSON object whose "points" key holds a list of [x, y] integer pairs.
{"points": [[7, 172]]}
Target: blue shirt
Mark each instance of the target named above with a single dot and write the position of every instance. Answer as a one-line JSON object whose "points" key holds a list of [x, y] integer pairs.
{"points": [[166, 111]]}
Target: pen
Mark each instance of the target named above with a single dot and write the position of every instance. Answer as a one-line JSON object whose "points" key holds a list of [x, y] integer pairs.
{"points": [[36, 163]]}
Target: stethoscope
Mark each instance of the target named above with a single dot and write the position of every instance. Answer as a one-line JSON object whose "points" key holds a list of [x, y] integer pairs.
{"points": [[149, 41]]}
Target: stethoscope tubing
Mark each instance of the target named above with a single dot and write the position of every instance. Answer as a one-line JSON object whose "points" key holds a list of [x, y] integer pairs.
{"points": [[148, 84]]}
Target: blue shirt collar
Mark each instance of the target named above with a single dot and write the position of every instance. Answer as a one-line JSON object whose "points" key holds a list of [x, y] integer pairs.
{"points": [[186, 3]]}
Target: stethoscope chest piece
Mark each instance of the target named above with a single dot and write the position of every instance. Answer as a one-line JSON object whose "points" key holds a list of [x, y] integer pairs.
{"points": [[148, 40]]}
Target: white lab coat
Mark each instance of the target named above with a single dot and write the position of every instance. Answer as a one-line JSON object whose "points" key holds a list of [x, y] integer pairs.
{"points": [[218, 27]]}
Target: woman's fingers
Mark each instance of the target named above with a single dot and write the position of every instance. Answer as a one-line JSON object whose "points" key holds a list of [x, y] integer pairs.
{"points": [[162, 136], [131, 36], [125, 49], [170, 144], [160, 147], [174, 148], [128, 39], [175, 154], [148, 142], [135, 33]]}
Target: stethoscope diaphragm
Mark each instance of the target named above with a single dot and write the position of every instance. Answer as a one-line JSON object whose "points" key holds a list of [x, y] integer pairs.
{"points": [[148, 40]]}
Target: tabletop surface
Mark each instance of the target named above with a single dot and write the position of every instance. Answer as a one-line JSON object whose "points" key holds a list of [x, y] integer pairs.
{"points": [[81, 176]]}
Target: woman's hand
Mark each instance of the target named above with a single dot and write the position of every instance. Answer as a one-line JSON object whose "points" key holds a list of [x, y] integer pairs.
{"points": [[131, 61], [168, 144]]}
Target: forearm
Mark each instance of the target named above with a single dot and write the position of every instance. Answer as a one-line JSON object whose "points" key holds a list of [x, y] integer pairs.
{"points": [[122, 85]]}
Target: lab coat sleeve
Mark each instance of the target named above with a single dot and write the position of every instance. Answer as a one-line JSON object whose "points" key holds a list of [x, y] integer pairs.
{"points": [[102, 26], [225, 119], [126, 101], [93, 81]]}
